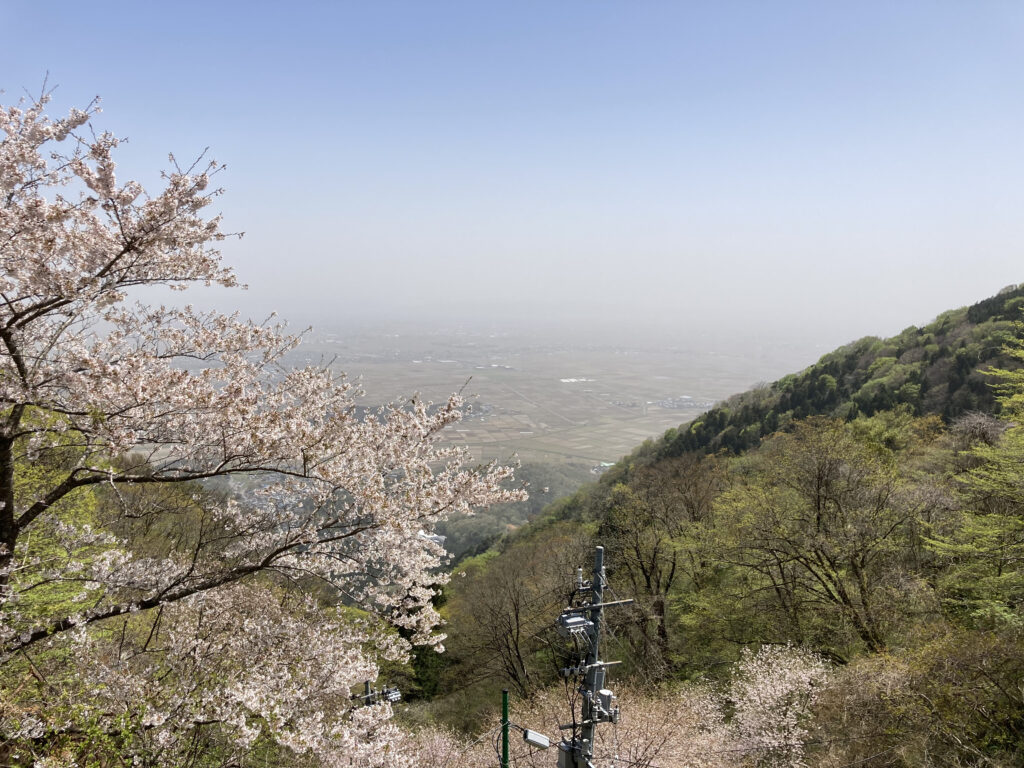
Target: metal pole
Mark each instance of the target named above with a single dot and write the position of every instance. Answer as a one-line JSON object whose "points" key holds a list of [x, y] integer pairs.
{"points": [[595, 673], [504, 728]]}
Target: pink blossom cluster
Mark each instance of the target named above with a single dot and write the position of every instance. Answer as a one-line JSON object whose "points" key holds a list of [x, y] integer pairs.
{"points": [[111, 404]]}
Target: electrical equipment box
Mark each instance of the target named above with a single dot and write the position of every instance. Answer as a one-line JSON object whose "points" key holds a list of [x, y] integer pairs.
{"points": [[565, 756], [570, 624], [535, 739], [609, 710]]}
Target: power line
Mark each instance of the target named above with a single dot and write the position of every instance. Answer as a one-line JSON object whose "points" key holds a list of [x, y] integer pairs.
{"points": [[485, 735], [498, 655]]}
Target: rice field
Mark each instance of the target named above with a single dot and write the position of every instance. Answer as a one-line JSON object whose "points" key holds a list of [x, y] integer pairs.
{"points": [[587, 402]]}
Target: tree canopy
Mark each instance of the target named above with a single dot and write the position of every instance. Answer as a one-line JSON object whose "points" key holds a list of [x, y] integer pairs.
{"points": [[178, 604]]}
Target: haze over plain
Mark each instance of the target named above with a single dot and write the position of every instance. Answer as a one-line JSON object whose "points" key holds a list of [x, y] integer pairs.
{"points": [[731, 174]]}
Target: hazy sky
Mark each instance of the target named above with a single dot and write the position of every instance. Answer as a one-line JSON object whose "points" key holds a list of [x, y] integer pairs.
{"points": [[824, 170]]}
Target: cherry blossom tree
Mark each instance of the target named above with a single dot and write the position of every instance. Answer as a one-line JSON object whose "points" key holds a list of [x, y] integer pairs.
{"points": [[773, 691], [171, 598], [763, 718]]}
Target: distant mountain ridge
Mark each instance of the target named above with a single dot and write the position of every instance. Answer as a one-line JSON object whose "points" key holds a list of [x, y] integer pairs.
{"points": [[934, 369]]}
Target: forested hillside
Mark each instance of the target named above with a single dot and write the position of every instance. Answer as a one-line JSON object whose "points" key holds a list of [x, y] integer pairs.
{"points": [[867, 511], [934, 369], [545, 481]]}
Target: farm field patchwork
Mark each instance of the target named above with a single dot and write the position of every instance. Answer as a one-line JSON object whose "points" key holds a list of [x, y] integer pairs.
{"points": [[586, 402]]}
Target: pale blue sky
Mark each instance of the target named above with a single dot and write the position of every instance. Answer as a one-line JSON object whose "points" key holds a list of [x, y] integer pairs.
{"points": [[820, 169]]}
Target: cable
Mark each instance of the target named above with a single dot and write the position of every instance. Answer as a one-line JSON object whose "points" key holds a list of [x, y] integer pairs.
{"points": [[486, 734], [488, 660], [619, 642], [495, 743], [536, 599], [498, 655]]}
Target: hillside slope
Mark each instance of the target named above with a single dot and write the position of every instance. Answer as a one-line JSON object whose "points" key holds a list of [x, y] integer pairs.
{"points": [[934, 369], [847, 510]]}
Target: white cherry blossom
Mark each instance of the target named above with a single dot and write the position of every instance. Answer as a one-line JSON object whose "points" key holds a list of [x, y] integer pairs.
{"points": [[120, 403]]}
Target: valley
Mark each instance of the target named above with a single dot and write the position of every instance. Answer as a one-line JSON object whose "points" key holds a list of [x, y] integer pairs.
{"points": [[588, 401]]}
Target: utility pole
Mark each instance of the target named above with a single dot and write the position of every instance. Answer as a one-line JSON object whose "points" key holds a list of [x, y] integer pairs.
{"points": [[372, 696], [582, 624], [594, 680], [504, 728], [533, 738]]}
